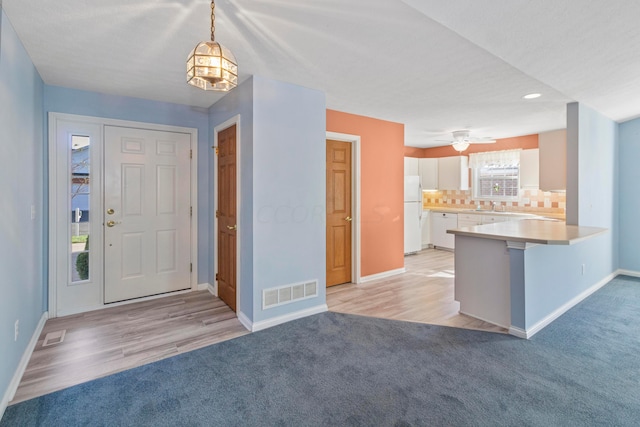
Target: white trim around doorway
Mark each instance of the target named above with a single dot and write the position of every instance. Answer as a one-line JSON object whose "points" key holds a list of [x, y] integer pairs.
{"points": [[55, 233], [355, 188]]}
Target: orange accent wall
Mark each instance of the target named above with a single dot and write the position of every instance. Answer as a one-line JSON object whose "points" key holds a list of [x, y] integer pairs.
{"points": [[382, 188], [525, 142], [413, 151]]}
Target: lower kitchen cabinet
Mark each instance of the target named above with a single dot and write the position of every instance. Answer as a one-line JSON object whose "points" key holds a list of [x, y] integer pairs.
{"points": [[468, 220], [440, 223], [425, 228]]}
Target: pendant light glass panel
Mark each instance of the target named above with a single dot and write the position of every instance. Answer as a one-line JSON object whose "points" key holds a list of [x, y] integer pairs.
{"points": [[211, 66]]}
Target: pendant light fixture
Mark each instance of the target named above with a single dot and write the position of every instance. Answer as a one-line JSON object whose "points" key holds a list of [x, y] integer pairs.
{"points": [[210, 65]]}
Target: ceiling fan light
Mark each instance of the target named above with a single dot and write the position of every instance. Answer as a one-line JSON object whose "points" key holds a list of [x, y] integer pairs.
{"points": [[460, 146]]}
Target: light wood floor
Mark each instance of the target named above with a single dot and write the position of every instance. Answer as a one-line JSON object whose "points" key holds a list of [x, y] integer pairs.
{"points": [[424, 293], [103, 342]]}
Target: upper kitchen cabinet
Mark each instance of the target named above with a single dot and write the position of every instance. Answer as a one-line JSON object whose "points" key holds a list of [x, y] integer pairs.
{"points": [[453, 173], [411, 166], [429, 173], [530, 168], [553, 160]]}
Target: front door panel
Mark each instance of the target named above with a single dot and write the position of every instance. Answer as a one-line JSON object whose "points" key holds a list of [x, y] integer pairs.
{"points": [[147, 212]]}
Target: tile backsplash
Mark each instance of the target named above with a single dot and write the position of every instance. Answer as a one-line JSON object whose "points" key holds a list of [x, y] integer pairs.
{"points": [[532, 201]]}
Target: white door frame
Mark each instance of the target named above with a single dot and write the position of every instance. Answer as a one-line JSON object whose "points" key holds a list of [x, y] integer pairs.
{"points": [[355, 200], [56, 265], [235, 120]]}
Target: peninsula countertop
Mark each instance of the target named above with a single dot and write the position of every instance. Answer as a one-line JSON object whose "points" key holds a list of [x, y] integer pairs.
{"points": [[538, 231]]}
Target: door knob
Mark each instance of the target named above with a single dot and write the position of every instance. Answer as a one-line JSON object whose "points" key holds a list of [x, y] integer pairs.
{"points": [[110, 211], [232, 227], [348, 219], [112, 223]]}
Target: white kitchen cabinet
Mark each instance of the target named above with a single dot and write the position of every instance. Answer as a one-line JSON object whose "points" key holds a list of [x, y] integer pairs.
{"points": [[469, 219], [411, 166], [429, 173], [490, 219], [553, 160], [425, 229], [440, 223], [530, 168], [453, 173]]}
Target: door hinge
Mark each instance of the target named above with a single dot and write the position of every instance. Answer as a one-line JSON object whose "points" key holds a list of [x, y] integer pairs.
{"points": [[191, 154], [215, 148], [216, 277], [217, 214], [191, 267], [191, 210]]}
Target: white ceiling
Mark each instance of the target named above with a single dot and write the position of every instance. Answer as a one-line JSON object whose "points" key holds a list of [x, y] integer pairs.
{"points": [[436, 66]]}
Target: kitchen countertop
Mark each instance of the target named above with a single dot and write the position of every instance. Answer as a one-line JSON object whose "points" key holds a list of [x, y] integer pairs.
{"points": [[556, 216], [531, 231]]}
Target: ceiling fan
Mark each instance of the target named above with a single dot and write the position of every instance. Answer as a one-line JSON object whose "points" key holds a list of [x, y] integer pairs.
{"points": [[462, 139]]}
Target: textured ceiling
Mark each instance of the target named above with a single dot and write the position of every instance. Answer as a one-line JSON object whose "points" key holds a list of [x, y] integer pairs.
{"points": [[436, 66]]}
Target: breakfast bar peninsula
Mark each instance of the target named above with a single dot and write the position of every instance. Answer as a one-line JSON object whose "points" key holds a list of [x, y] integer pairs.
{"points": [[522, 275]]}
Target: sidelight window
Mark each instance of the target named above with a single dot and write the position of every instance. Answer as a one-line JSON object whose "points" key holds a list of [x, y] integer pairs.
{"points": [[79, 207]]}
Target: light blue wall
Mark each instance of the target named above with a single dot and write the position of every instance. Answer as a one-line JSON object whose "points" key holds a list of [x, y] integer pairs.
{"points": [[554, 273], [22, 176], [597, 150], [597, 142], [629, 178], [282, 191], [237, 102], [72, 101], [289, 188]]}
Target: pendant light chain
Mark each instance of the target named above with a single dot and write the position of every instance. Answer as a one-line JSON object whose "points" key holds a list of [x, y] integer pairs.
{"points": [[213, 20], [211, 66]]}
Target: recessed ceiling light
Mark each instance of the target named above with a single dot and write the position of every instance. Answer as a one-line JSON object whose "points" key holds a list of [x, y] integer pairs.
{"points": [[532, 96]]}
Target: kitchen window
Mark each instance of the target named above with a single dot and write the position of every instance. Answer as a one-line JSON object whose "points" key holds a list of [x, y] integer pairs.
{"points": [[496, 175]]}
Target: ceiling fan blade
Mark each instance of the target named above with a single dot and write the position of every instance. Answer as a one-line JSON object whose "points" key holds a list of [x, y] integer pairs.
{"points": [[482, 141]]}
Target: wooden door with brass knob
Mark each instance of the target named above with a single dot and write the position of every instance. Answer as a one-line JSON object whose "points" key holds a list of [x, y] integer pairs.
{"points": [[339, 220], [226, 216]]}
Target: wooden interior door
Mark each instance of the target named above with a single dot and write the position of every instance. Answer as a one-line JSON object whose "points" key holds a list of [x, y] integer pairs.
{"points": [[147, 219], [338, 212], [227, 216]]}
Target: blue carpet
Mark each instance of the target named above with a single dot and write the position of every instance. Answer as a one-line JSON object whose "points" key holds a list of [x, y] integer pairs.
{"points": [[337, 369]]}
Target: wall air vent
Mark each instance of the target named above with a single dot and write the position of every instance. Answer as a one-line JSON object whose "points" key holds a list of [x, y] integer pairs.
{"points": [[281, 295]]}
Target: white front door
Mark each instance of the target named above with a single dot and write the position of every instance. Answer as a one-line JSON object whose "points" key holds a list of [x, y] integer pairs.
{"points": [[147, 210]]}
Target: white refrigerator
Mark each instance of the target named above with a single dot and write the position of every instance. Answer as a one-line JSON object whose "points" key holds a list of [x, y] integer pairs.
{"points": [[412, 214]]}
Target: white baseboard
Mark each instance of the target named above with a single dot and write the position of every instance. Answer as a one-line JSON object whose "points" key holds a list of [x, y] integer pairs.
{"points": [[628, 273], [483, 319], [528, 333], [245, 321], [265, 324], [214, 289], [203, 286], [383, 275], [517, 332], [24, 361]]}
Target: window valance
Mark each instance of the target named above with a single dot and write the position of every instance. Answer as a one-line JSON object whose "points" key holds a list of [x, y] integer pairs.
{"points": [[495, 159]]}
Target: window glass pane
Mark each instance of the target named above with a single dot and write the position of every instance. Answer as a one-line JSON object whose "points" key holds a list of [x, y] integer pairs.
{"points": [[79, 195], [497, 182]]}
